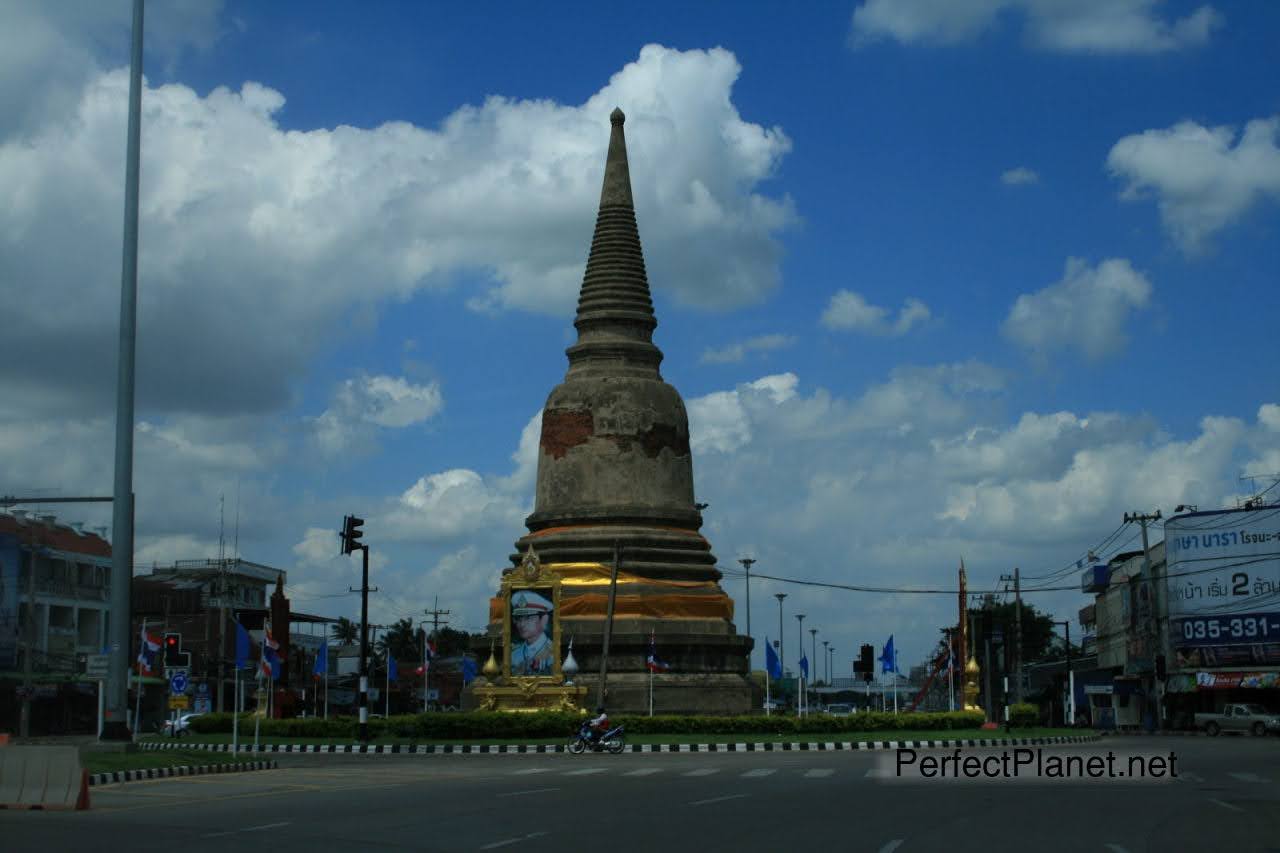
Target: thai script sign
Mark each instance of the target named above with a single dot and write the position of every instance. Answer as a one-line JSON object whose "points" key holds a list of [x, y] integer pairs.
{"points": [[1223, 581]]}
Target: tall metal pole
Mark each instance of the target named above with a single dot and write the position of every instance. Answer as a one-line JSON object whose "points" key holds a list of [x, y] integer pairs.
{"points": [[813, 664], [802, 695], [117, 701], [608, 624], [747, 563], [364, 646], [826, 661], [782, 645]]}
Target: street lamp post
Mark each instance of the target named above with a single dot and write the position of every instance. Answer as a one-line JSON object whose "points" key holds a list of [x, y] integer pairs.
{"points": [[782, 646], [747, 563], [826, 661], [803, 696]]}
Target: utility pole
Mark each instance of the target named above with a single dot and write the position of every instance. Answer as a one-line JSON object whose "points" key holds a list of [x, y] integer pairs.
{"points": [[435, 613], [747, 563], [24, 715], [1152, 628], [1017, 630]]}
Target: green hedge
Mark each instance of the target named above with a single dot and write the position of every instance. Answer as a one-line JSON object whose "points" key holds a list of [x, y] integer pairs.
{"points": [[547, 724], [1024, 715]]}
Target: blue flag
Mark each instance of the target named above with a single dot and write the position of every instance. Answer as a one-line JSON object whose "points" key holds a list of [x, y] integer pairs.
{"points": [[888, 658], [771, 663], [804, 665], [322, 662], [392, 673], [242, 647], [468, 670]]}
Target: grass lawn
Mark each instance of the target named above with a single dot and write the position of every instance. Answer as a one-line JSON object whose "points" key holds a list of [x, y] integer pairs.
{"points": [[825, 737], [106, 762]]}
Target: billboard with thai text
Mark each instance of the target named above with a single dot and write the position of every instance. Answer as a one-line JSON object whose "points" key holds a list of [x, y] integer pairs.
{"points": [[10, 559], [1223, 581]]}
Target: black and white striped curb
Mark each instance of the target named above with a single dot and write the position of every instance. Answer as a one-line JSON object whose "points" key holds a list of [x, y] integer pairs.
{"points": [[508, 749], [1145, 733], [167, 772]]}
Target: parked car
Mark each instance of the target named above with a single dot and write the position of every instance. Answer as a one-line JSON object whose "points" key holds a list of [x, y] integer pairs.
{"points": [[839, 710], [179, 727], [1251, 718]]}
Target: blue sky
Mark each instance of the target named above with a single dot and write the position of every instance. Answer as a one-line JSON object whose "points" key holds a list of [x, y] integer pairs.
{"points": [[934, 278]]}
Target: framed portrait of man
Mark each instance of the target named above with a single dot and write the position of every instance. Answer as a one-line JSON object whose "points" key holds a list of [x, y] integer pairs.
{"points": [[532, 629]]}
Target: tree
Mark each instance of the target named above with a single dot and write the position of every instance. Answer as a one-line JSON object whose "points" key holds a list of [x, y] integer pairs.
{"points": [[401, 640], [345, 631], [993, 617]]}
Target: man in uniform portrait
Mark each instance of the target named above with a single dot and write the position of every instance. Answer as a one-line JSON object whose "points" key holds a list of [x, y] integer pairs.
{"points": [[532, 653]]}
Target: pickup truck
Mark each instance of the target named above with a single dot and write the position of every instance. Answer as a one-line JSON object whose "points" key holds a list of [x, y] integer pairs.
{"points": [[1240, 718]]}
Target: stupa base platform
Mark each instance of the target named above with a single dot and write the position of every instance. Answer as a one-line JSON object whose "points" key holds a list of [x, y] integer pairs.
{"points": [[711, 694], [527, 694]]}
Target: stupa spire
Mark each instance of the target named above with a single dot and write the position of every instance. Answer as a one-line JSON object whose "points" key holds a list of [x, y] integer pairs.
{"points": [[615, 320]]}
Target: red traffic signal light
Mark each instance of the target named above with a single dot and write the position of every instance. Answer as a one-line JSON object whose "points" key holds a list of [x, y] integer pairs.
{"points": [[173, 650]]}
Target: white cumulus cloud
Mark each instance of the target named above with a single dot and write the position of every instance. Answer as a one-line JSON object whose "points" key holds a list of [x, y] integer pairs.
{"points": [[734, 353], [1074, 26], [848, 310], [1088, 309], [1019, 176], [1203, 178]]}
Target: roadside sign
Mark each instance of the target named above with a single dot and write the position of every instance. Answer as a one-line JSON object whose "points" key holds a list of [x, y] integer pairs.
{"points": [[178, 681], [178, 703], [202, 705], [96, 666], [202, 688]]}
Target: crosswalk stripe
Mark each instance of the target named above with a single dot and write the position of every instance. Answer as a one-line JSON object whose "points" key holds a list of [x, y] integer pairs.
{"points": [[645, 771], [756, 774], [590, 771], [704, 771], [1191, 777], [818, 773], [1247, 777], [531, 771]]}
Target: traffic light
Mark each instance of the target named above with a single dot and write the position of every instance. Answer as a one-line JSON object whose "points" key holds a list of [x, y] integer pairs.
{"points": [[867, 664], [173, 650], [351, 533]]}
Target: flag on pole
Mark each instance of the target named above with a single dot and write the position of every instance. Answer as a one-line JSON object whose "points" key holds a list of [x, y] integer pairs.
{"points": [[270, 665], [652, 661], [393, 671], [804, 665], [147, 652], [771, 663], [322, 662], [468, 670], [888, 659], [242, 647]]}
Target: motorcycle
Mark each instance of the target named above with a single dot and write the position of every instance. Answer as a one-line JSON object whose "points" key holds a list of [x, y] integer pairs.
{"points": [[613, 741]]}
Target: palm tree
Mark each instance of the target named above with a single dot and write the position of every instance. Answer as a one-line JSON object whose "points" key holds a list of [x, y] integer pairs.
{"points": [[345, 631], [401, 640]]}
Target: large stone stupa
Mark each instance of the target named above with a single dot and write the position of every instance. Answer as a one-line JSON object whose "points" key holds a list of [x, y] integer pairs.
{"points": [[614, 466]]}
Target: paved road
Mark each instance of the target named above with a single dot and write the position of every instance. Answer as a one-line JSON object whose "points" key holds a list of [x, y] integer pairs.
{"points": [[1227, 797]]}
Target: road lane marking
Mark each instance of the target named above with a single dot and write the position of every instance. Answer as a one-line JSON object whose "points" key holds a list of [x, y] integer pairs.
{"points": [[891, 846], [717, 799], [590, 771], [818, 773], [531, 771], [1116, 848], [495, 845], [1226, 805], [645, 771], [1247, 777], [756, 774], [245, 829], [530, 791], [1192, 777], [704, 771]]}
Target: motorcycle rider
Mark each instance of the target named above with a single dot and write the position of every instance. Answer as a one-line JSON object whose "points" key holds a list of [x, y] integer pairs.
{"points": [[598, 725]]}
